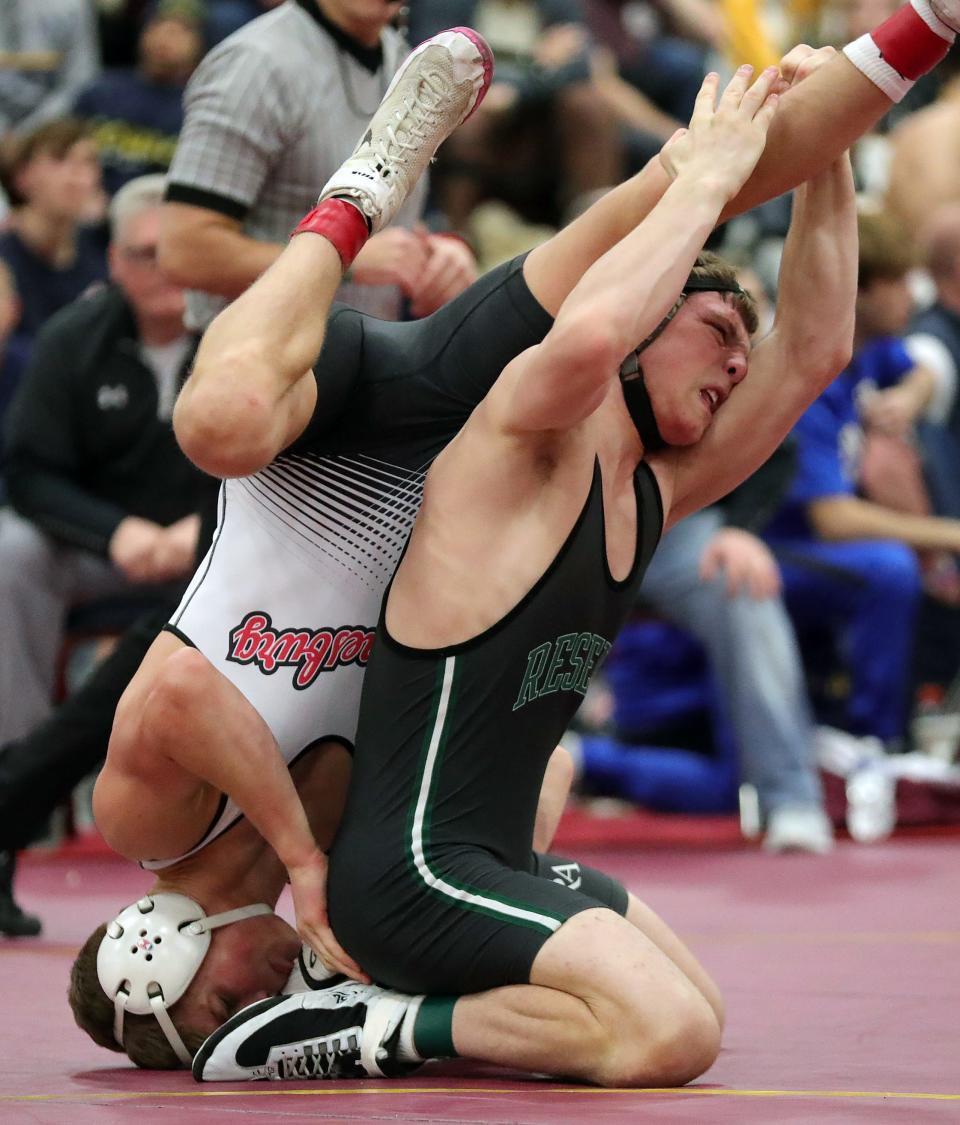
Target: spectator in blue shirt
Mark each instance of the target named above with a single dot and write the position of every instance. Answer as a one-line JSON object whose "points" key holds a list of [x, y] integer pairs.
{"points": [[849, 563], [136, 114], [52, 178]]}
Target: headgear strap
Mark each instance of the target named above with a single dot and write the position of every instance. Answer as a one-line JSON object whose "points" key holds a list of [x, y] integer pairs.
{"points": [[635, 393]]}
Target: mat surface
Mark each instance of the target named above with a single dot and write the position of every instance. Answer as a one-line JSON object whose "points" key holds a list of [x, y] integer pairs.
{"points": [[841, 978]]}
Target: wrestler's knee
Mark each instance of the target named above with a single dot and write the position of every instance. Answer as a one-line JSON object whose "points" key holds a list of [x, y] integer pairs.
{"points": [[672, 1050]]}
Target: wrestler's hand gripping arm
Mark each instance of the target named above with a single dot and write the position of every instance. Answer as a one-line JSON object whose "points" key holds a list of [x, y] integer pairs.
{"points": [[629, 290]]}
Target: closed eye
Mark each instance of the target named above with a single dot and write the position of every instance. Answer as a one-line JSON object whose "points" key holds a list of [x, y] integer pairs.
{"points": [[724, 332]]}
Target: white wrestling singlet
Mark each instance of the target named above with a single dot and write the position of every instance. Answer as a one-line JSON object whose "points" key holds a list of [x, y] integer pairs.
{"points": [[285, 603]]}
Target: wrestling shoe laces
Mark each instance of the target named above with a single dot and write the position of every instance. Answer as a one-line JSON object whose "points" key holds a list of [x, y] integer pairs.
{"points": [[438, 87], [333, 1056]]}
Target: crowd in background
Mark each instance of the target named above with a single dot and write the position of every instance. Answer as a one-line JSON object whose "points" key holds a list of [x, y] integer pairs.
{"points": [[813, 613]]}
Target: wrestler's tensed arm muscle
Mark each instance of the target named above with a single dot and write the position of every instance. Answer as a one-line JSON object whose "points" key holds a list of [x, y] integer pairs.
{"points": [[629, 290], [181, 730], [810, 343]]}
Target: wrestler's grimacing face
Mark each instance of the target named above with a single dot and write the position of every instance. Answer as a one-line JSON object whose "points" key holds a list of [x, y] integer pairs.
{"points": [[693, 366]]}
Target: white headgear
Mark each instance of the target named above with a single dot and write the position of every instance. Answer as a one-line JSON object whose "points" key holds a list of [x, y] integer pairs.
{"points": [[150, 954]]}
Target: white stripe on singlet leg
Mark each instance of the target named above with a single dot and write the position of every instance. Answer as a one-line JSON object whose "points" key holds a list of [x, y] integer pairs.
{"points": [[461, 895]]}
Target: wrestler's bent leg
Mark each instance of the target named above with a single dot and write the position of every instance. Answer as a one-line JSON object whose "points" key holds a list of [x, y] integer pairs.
{"points": [[605, 1005]]}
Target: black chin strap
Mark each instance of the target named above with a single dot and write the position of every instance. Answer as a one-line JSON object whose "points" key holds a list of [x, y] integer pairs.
{"points": [[635, 393], [639, 406]]}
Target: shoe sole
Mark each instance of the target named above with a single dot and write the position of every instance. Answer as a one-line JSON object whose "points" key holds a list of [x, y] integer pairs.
{"points": [[449, 39], [210, 1044]]}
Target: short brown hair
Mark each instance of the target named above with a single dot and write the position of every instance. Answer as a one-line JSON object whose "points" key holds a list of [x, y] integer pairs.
{"points": [[712, 267], [55, 138], [886, 252], [143, 1037]]}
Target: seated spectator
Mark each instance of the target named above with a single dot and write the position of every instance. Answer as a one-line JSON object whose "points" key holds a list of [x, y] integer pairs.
{"points": [[934, 341], [543, 139], [105, 502], [51, 177], [924, 171], [849, 562], [713, 577], [13, 355], [49, 50], [650, 78], [136, 114]]}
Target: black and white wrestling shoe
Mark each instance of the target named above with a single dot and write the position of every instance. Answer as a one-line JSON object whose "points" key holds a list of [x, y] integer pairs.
{"points": [[346, 1030]]}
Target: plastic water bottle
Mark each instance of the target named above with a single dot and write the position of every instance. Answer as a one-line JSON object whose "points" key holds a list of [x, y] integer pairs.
{"points": [[871, 802]]}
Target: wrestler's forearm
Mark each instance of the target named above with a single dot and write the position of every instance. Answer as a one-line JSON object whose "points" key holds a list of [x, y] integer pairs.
{"points": [[554, 268], [554, 791], [816, 121], [244, 763], [818, 274], [619, 300]]}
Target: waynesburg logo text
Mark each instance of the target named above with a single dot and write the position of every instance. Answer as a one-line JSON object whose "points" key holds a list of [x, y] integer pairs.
{"points": [[311, 652]]}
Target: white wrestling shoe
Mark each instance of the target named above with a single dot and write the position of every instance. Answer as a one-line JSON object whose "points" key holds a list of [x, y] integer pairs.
{"points": [[344, 1031], [435, 90], [798, 828]]}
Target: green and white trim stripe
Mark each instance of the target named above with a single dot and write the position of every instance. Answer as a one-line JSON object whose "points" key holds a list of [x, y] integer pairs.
{"points": [[420, 822]]}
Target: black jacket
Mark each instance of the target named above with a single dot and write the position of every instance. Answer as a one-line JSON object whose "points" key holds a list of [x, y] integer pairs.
{"points": [[84, 446]]}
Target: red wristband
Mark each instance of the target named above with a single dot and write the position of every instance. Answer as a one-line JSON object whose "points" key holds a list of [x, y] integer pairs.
{"points": [[340, 223], [908, 45]]}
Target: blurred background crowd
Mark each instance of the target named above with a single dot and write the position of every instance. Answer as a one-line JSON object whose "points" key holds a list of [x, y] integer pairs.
{"points": [[810, 622]]}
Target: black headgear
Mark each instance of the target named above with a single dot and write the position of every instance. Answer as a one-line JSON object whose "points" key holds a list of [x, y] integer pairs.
{"points": [[632, 382]]}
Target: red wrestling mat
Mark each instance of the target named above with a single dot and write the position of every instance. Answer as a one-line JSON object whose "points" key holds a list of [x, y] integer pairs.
{"points": [[840, 976]]}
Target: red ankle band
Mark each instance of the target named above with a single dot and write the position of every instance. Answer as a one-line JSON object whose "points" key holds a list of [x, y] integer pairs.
{"points": [[908, 44], [341, 224]]}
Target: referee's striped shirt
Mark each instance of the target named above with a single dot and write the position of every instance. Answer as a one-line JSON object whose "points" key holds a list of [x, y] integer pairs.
{"points": [[269, 116]]}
